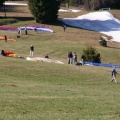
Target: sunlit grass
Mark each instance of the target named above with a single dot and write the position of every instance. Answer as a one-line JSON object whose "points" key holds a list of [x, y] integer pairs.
{"points": [[49, 91]]}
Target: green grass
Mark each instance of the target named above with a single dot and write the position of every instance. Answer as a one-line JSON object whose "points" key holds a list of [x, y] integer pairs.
{"points": [[7, 21], [49, 91]]}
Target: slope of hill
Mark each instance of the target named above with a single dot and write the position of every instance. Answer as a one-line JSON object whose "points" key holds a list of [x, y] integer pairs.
{"points": [[103, 22]]}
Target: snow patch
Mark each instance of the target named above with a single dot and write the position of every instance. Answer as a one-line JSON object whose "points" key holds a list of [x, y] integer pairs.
{"points": [[103, 22]]}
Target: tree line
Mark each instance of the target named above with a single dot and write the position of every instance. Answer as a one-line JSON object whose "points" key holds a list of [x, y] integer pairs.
{"points": [[94, 4], [88, 4]]}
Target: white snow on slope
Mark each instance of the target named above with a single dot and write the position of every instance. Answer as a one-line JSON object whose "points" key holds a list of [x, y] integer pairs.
{"points": [[20, 4], [103, 22], [69, 10]]}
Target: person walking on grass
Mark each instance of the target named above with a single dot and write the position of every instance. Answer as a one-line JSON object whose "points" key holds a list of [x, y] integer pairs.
{"points": [[31, 50], [64, 27], [113, 75]]}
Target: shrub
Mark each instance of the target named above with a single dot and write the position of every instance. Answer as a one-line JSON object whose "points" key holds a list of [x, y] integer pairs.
{"points": [[103, 42], [91, 54], [7, 21]]}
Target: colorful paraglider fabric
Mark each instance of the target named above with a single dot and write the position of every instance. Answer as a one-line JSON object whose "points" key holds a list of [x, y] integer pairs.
{"points": [[41, 28], [8, 28], [7, 53], [12, 55], [38, 29], [9, 40]]}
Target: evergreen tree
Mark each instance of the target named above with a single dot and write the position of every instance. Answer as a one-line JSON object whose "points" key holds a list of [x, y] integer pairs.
{"points": [[1, 2], [44, 11], [91, 54]]}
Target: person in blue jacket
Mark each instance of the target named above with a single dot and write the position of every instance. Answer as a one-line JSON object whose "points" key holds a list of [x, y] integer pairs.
{"points": [[113, 75], [64, 27]]}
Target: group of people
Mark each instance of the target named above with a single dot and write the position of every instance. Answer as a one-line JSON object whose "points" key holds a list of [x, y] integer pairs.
{"points": [[26, 30], [72, 58], [20, 32]]}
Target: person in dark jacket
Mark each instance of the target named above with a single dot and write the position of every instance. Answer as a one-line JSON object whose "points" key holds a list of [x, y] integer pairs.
{"points": [[83, 58], [71, 58], [3, 53], [64, 27], [31, 50]]}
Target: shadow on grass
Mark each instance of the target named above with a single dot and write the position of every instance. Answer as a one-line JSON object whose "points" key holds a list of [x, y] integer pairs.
{"points": [[18, 18], [60, 23], [55, 23]]}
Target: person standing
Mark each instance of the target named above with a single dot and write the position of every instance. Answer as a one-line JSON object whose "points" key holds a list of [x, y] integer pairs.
{"points": [[31, 50], [5, 37], [35, 30], [113, 75], [71, 58], [83, 59], [26, 31], [68, 57], [19, 30], [75, 58]]}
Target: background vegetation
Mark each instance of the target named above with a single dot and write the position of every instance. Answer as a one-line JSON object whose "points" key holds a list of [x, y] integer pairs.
{"points": [[90, 4], [44, 11], [94, 4], [1, 2], [48, 91]]}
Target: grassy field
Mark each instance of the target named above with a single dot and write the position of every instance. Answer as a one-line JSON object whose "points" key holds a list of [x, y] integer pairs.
{"points": [[49, 91]]}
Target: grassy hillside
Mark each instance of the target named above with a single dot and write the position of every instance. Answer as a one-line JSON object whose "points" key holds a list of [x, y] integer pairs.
{"points": [[49, 91]]}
